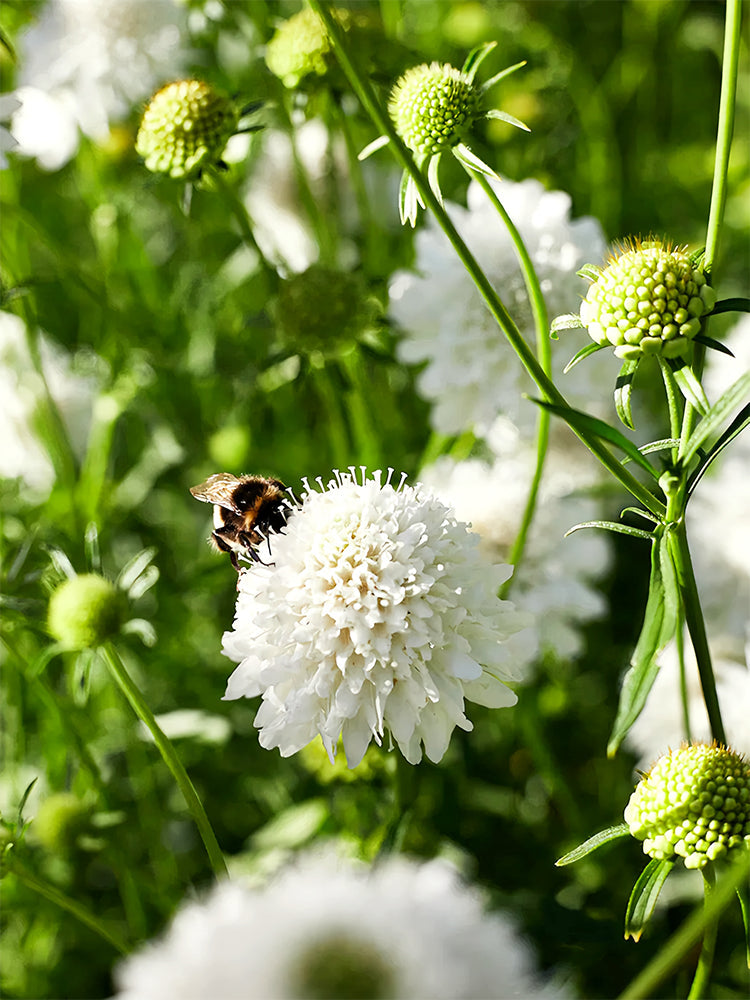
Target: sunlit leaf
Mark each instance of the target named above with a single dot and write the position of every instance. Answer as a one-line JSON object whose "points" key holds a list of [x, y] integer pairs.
{"points": [[593, 843], [716, 416], [476, 57], [688, 384], [620, 529], [624, 391], [584, 352], [644, 896], [740, 422]]}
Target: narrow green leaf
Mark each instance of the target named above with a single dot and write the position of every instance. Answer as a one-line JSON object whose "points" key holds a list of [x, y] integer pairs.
{"points": [[432, 177], [689, 385], [584, 352], [603, 837], [374, 146], [744, 898], [714, 345], [716, 415], [624, 391], [731, 305], [471, 161], [568, 321], [740, 422], [503, 116], [640, 512], [644, 896], [476, 57], [658, 627], [501, 75], [621, 529], [662, 445], [672, 597], [590, 271], [592, 425]]}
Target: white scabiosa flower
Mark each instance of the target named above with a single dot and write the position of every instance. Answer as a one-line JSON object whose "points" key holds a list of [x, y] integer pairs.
{"points": [[333, 929], [22, 453], [471, 373], [662, 722], [8, 104], [86, 63], [556, 582], [377, 615]]}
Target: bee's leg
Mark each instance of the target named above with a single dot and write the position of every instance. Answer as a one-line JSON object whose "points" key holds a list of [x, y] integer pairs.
{"points": [[250, 541], [222, 545]]}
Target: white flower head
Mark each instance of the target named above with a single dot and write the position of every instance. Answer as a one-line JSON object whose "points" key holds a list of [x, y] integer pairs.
{"points": [[85, 64], [9, 103], [377, 614], [661, 724], [556, 582], [472, 374], [22, 453], [326, 927]]}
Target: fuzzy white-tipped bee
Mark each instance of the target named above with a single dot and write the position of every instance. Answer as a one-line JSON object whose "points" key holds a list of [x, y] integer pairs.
{"points": [[246, 510]]}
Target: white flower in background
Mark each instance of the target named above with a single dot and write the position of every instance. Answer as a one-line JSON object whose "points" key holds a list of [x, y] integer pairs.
{"points": [[8, 104], [337, 929], [472, 374], [557, 579], [22, 453], [86, 63], [377, 615], [661, 724]]}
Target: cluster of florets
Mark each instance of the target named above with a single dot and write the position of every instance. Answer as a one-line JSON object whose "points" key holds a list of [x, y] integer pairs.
{"points": [[433, 106], [320, 309], [185, 128], [648, 300], [694, 803]]}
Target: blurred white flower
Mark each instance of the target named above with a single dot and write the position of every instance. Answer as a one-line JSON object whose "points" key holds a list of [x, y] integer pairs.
{"points": [[472, 374], [22, 453], [86, 63], [8, 104], [190, 723], [661, 724], [557, 579], [377, 614], [336, 929]]}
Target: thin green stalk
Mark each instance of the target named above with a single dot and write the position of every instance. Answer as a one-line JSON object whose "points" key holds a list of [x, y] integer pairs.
{"points": [[131, 691], [338, 431], [544, 355], [669, 956], [241, 215], [706, 959], [725, 128], [362, 87], [80, 912], [697, 629], [684, 699]]}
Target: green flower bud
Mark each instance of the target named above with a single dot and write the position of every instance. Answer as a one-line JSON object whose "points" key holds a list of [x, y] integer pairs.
{"points": [[433, 107], [59, 822], [320, 310], [301, 47], [695, 803], [648, 300], [185, 128], [84, 612], [339, 967]]}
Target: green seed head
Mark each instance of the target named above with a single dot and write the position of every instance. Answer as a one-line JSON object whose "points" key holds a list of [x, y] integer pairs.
{"points": [[432, 107], [185, 128], [320, 310], [694, 803], [84, 612], [648, 300], [301, 47]]}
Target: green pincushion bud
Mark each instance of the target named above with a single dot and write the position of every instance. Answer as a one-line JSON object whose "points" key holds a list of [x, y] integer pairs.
{"points": [[694, 803], [185, 128], [84, 612], [648, 300], [60, 821], [301, 47], [320, 309], [433, 107]]}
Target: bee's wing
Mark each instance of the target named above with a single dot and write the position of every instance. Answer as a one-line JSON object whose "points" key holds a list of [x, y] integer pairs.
{"points": [[218, 489]]}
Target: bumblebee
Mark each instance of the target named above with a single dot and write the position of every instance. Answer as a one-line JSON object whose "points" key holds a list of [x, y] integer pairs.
{"points": [[246, 510]]}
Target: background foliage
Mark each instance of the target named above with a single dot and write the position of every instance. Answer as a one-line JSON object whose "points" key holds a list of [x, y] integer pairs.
{"points": [[621, 98]]}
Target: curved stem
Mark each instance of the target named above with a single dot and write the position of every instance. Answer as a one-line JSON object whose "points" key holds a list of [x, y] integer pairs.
{"points": [[132, 692], [242, 216], [730, 65], [706, 959], [366, 94], [544, 355], [80, 912]]}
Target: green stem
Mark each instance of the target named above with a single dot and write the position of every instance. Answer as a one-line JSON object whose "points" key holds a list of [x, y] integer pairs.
{"points": [[727, 98], [242, 217], [706, 959], [697, 629], [79, 911], [370, 102], [685, 700], [669, 956], [544, 355], [336, 424], [131, 691]]}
